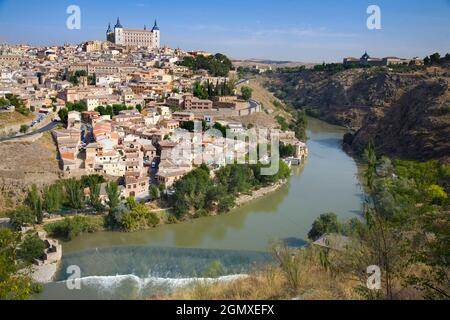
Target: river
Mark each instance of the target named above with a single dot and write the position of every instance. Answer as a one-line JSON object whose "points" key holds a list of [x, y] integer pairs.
{"points": [[135, 265]]}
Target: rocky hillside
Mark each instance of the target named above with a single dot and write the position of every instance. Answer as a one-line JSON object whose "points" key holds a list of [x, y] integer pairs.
{"points": [[406, 114]]}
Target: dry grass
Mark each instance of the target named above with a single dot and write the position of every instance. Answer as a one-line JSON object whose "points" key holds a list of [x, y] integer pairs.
{"points": [[266, 98], [24, 164], [301, 278], [266, 118], [13, 118]]}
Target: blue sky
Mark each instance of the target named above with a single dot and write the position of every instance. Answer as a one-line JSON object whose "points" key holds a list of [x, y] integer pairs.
{"points": [[298, 30]]}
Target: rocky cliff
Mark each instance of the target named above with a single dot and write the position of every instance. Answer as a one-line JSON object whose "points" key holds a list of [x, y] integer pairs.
{"points": [[406, 114]]}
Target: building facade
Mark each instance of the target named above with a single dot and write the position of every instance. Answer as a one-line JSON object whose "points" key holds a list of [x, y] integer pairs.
{"points": [[134, 38]]}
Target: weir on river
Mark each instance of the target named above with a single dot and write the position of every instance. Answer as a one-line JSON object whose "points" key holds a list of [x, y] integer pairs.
{"points": [[135, 265]]}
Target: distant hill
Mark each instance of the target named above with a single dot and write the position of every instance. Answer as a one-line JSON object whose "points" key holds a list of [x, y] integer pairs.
{"points": [[262, 63]]}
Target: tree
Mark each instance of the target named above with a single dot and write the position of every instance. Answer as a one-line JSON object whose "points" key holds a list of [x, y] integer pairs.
{"points": [[226, 203], [131, 203], [32, 248], [325, 224], [154, 192], [22, 216], [13, 285], [52, 198], [24, 128], [34, 201], [371, 160], [191, 190], [246, 93], [300, 125], [74, 193], [94, 197], [199, 91], [112, 190], [286, 150], [63, 114], [435, 58]]}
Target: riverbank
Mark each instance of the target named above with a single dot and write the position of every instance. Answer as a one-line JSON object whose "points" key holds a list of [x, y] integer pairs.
{"points": [[92, 224], [328, 181], [256, 194]]}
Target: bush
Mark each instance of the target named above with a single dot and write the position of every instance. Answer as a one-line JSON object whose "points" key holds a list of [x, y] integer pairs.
{"points": [[137, 218], [22, 216], [326, 223], [24, 128], [246, 93], [70, 228], [171, 219], [32, 248]]}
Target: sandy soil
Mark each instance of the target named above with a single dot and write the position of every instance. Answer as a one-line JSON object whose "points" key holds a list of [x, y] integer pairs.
{"points": [[24, 164]]}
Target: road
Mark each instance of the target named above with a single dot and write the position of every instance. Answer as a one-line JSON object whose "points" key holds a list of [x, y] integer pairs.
{"points": [[241, 81], [47, 127]]}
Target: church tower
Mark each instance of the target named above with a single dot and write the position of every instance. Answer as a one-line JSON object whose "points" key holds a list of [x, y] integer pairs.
{"points": [[156, 36], [119, 35]]}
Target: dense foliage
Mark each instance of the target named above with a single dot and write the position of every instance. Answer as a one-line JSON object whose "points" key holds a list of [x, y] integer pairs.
{"points": [[61, 196], [14, 100], [405, 231], [217, 65], [71, 227], [15, 285], [246, 93], [113, 110], [200, 194], [209, 90]]}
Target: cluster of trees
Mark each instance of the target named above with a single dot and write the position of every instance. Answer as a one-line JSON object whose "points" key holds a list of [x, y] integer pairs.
{"points": [[64, 194], [115, 109], [217, 65], [300, 124], [210, 90], [132, 216], [436, 59], [405, 229], [74, 77], [79, 106], [136, 217], [70, 228], [286, 150], [19, 105], [190, 125], [200, 194], [16, 253]]}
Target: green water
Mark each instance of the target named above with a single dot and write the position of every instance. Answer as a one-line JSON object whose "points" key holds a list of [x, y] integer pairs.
{"points": [[327, 182]]}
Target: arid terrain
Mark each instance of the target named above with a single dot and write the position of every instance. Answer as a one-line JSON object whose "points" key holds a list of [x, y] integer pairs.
{"points": [[24, 164]]}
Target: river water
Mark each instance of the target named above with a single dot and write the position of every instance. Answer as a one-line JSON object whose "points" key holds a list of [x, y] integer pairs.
{"points": [[137, 265]]}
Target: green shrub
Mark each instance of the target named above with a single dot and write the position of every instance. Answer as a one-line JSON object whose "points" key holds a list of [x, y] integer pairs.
{"points": [[32, 248], [70, 228]]}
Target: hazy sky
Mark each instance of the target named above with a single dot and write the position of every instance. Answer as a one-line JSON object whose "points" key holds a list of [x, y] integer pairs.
{"points": [[300, 30]]}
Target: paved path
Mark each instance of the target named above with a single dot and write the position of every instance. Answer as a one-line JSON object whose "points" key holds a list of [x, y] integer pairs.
{"points": [[47, 127]]}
